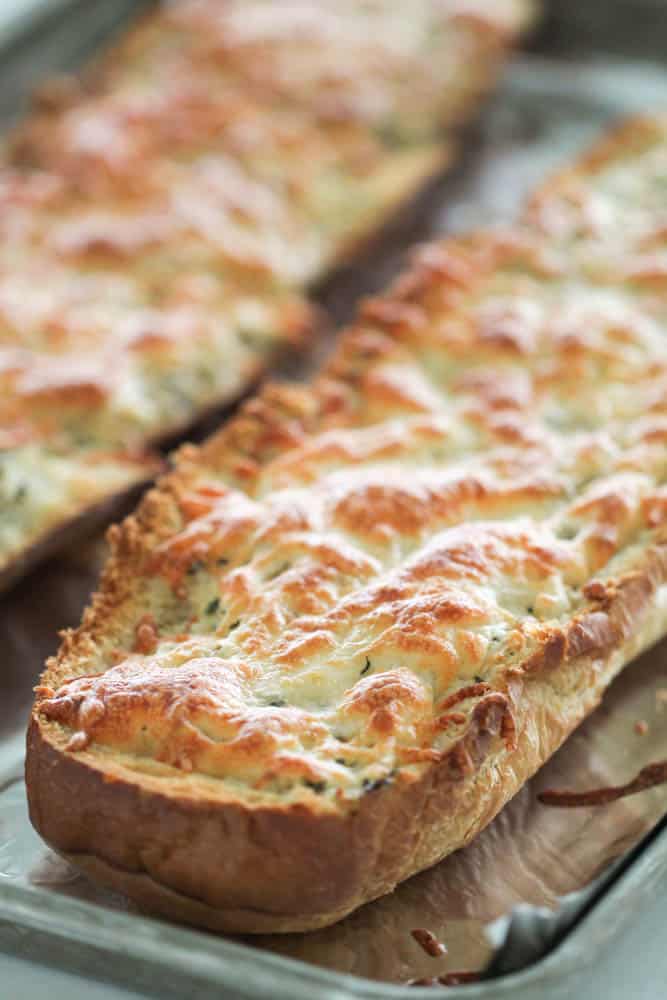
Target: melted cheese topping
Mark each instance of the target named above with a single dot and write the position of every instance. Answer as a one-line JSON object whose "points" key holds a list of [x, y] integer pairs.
{"points": [[158, 225], [331, 585]]}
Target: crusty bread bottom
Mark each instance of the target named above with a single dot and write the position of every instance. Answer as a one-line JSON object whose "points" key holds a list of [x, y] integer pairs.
{"points": [[547, 707]]}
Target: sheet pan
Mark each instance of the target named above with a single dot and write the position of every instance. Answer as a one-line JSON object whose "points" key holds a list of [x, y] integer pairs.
{"points": [[542, 888]]}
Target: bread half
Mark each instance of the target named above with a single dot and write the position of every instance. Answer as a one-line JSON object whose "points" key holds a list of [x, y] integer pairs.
{"points": [[340, 635]]}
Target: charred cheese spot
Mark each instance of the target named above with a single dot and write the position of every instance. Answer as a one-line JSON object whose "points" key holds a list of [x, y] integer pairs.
{"points": [[390, 705]]}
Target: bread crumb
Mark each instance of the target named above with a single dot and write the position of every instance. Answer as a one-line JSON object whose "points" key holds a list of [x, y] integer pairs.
{"points": [[146, 635], [450, 979], [459, 978], [429, 942], [641, 727], [79, 741], [44, 691]]}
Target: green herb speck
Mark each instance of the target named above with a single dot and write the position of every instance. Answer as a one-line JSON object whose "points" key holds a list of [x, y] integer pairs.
{"points": [[369, 785], [317, 786]]}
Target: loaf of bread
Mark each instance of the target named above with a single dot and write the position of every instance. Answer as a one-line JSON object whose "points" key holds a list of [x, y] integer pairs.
{"points": [[162, 218], [341, 634]]}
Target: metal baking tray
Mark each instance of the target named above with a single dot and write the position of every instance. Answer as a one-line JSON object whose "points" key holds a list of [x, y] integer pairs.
{"points": [[526, 925]]}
